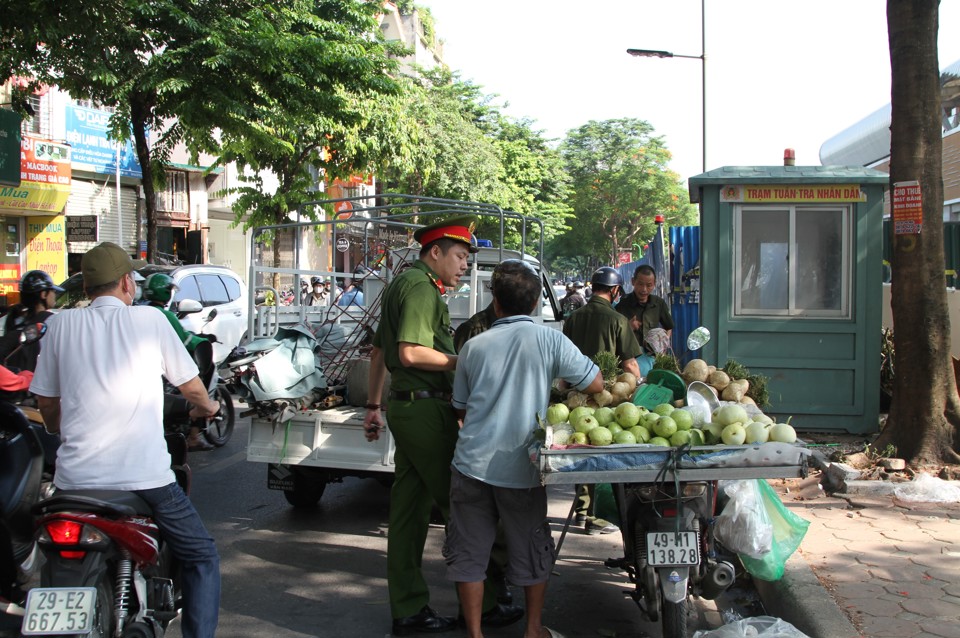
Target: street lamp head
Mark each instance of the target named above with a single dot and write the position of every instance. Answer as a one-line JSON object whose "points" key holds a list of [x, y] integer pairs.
{"points": [[647, 53]]}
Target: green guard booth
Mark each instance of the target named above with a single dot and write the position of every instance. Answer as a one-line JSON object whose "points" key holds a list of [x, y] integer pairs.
{"points": [[791, 267]]}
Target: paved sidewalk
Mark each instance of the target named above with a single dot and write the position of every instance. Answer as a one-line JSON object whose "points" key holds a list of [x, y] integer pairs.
{"points": [[891, 567]]}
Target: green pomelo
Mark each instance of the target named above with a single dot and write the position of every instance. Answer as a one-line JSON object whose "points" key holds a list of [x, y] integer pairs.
{"points": [[579, 438], [614, 428], [585, 423], [664, 409], [733, 434], [625, 437], [604, 415], [680, 437], [660, 441], [728, 414], [640, 433], [627, 415], [683, 419], [557, 413], [665, 427], [600, 436]]}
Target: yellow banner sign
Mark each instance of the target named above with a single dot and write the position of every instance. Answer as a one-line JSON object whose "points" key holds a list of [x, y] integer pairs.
{"points": [[44, 178], [46, 246], [819, 193]]}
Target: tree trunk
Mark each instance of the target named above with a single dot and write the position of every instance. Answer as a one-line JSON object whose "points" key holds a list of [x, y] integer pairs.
{"points": [[138, 119], [925, 411]]}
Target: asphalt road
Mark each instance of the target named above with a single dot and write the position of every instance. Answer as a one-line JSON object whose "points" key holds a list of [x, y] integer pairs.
{"points": [[321, 571]]}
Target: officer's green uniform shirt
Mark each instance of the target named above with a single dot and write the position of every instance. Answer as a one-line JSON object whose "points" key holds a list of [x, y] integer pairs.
{"points": [[414, 312], [654, 314], [598, 327]]}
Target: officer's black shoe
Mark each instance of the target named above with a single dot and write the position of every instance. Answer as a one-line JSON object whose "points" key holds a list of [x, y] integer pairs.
{"points": [[426, 622], [500, 616]]}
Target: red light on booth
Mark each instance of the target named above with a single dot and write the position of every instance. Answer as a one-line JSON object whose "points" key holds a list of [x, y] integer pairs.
{"points": [[659, 219], [789, 157]]}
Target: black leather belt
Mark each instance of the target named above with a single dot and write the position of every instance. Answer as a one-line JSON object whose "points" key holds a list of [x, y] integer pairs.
{"points": [[413, 395]]}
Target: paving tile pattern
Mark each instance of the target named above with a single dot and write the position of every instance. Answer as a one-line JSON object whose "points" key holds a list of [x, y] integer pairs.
{"points": [[892, 566]]}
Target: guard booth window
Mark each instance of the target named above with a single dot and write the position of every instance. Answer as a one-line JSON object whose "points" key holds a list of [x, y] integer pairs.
{"points": [[792, 261]]}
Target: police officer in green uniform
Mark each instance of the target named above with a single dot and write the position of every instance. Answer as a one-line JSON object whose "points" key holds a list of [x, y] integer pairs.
{"points": [[597, 327], [414, 342]]}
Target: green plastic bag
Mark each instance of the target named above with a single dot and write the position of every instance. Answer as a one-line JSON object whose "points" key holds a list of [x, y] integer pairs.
{"points": [[788, 530]]}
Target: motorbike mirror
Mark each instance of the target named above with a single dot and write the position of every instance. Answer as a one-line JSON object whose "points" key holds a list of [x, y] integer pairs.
{"points": [[212, 315], [189, 306], [698, 338], [32, 333]]}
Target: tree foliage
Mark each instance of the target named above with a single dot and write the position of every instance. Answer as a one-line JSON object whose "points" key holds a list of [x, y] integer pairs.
{"points": [[253, 75], [453, 143], [924, 419], [620, 182]]}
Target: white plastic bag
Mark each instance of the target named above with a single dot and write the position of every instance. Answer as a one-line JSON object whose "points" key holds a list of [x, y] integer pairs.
{"points": [[926, 488], [758, 627], [743, 526]]}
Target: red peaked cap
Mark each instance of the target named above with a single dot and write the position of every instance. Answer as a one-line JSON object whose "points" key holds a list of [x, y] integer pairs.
{"points": [[457, 228]]}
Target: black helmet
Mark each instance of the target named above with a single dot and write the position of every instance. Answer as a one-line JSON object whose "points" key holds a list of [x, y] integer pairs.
{"points": [[316, 280], [37, 281], [606, 276]]}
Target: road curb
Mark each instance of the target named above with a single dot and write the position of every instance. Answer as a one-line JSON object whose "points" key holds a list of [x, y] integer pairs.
{"points": [[802, 601]]}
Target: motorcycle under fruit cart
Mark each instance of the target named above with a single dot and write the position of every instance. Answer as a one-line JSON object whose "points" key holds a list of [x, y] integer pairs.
{"points": [[667, 503]]}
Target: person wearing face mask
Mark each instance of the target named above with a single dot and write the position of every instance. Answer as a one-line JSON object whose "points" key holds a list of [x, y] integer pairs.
{"points": [[415, 343], [317, 295], [98, 384]]}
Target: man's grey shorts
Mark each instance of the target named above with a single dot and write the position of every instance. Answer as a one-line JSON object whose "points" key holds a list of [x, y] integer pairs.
{"points": [[475, 509]]}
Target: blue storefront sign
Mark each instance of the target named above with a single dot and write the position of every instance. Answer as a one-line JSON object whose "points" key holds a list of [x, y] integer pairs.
{"points": [[92, 150]]}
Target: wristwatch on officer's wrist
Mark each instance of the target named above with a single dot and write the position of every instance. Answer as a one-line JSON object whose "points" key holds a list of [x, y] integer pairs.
{"points": [[373, 406]]}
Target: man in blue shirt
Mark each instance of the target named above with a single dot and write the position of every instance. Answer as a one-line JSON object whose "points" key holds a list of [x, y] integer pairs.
{"points": [[352, 296], [503, 382]]}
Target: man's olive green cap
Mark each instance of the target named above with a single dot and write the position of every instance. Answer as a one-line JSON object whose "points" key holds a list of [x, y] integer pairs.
{"points": [[106, 262]]}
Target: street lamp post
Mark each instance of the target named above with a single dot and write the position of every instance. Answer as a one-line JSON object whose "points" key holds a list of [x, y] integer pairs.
{"points": [[648, 53]]}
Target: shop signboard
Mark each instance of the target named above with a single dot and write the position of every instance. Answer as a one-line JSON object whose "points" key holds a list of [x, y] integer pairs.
{"points": [[46, 250], [44, 178], [93, 150], [82, 228]]}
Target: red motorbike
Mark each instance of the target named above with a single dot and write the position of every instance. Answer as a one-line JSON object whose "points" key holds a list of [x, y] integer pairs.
{"points": [[107, 570]]}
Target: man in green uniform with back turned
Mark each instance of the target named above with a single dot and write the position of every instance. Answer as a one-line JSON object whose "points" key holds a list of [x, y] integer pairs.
{"points": [[594, 328], [414, 342]]}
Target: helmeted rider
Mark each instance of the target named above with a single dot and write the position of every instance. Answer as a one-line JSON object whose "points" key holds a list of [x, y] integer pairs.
{"points": [[38, 294], [158, 290]]}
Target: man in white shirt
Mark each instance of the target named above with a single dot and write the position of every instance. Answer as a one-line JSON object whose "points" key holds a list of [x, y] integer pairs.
{"points": [[98, 383]]}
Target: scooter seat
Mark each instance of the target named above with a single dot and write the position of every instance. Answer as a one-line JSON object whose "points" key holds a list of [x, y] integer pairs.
{"points": [[116, 502]]}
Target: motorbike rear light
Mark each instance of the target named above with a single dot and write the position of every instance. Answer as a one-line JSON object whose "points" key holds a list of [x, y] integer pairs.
{"points": [[66, 533], [62, 532]]}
